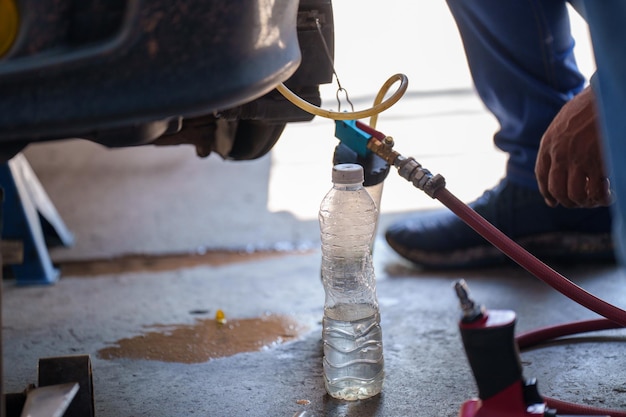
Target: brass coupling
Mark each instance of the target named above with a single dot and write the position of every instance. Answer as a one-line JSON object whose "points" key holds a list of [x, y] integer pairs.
{"points": [[408, 168], [420, 177]]}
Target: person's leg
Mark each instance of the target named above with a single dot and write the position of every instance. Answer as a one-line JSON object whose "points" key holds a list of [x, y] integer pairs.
{"points": [[520, 54], [608, 35], [521, 58]]}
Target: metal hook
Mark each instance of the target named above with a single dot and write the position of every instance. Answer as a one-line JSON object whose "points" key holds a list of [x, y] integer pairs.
{"points": [[340, 89]]}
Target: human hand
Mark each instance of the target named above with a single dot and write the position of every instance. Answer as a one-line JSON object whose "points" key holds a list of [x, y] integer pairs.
{"points": [[569, 168]]}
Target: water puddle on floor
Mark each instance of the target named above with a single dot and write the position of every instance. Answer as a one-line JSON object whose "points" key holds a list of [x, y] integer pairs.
{"points": [[206, 339]]}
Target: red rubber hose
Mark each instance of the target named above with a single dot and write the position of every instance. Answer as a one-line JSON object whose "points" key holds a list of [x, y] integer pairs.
{"points": [[545, 334], [564, 407], [528, 261]]}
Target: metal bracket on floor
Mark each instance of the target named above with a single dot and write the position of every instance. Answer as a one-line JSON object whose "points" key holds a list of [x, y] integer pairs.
{"points": [[65, 388], [30, 221]]}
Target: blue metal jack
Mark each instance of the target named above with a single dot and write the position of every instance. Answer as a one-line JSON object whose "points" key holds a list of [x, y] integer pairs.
{"points": [[30, 217]]}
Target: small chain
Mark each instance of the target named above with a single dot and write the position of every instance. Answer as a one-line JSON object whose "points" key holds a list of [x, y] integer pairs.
{"points": [[340, 89]]}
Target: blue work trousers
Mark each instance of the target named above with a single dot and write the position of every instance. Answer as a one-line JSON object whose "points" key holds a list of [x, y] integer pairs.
{"points": [[521, 58], [607, 25]]}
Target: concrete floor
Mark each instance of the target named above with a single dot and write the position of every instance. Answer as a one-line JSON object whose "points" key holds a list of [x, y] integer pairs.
{"points": [[166, 203]]}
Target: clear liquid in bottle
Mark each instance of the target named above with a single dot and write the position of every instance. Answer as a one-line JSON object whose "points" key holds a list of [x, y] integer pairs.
{"points": [[353, 351]]}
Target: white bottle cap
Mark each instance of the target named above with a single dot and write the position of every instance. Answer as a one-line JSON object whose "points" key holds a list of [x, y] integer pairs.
{"points": [[348, 174]]}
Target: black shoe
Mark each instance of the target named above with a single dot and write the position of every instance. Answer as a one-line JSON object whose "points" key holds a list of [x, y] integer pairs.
{"points": [[440, 240]]}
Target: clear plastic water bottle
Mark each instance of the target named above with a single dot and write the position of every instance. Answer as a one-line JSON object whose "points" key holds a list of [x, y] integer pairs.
{"points": [[353, 346]]}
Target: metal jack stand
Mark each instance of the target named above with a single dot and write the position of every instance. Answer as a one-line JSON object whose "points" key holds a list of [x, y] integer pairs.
{"points": [[32, 217]]}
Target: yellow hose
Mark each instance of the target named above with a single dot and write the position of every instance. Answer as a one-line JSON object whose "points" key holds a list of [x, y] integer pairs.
{"points": [[378, 107]]}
